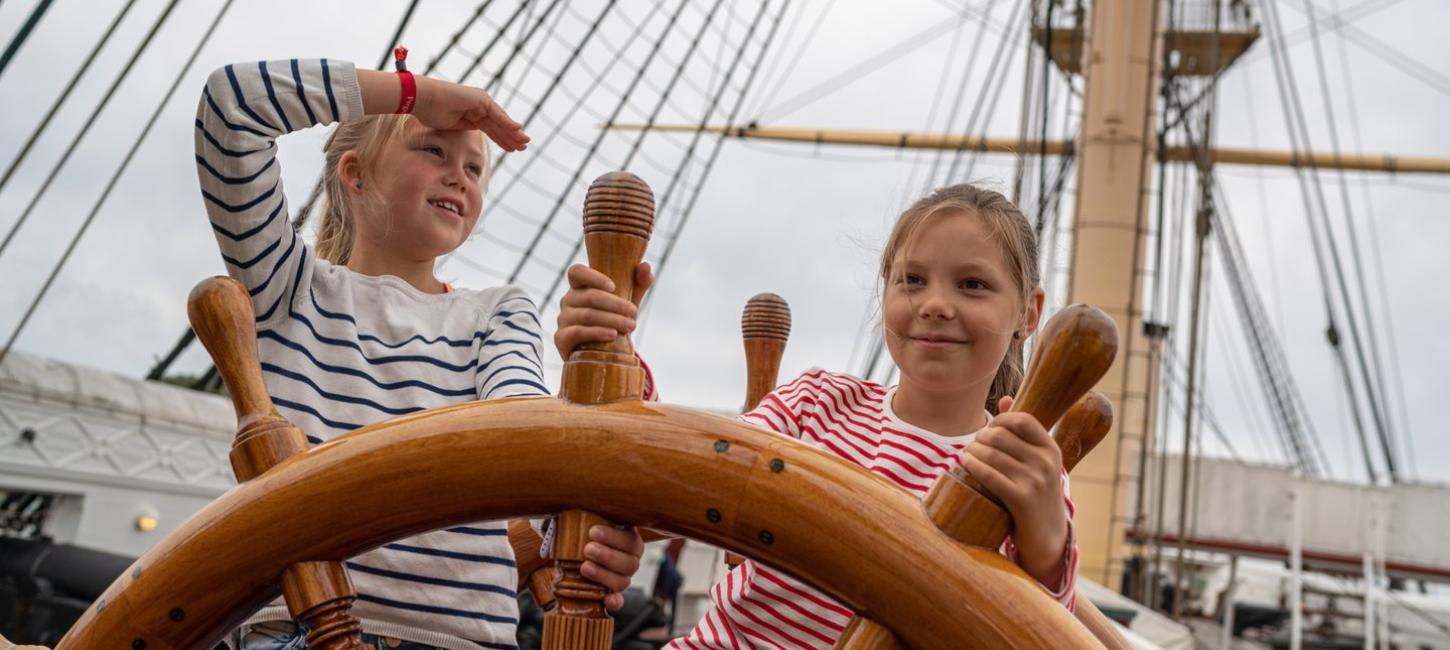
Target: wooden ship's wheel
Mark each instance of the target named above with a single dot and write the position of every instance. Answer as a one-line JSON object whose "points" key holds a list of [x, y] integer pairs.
{"points": [[597, 453]]}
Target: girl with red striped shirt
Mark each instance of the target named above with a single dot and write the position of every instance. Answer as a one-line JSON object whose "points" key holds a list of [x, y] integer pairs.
{"points": [[960, 295]]}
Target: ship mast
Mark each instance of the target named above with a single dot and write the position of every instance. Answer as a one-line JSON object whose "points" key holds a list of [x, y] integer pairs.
{"points": [[1115, 148]]}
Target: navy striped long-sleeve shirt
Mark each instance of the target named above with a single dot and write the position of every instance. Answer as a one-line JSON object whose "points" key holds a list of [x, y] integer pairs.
{"points": [[341, 350]]}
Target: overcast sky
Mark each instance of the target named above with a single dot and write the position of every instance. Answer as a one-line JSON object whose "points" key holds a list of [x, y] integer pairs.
{"points": [[802, 221]]}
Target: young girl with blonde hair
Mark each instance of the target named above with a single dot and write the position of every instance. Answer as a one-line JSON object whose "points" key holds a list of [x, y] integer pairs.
{"points": [[359, 329]]}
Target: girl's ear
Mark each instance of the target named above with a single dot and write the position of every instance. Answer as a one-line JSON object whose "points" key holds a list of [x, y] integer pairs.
{"points": [[1033, 315], [349, 171]]}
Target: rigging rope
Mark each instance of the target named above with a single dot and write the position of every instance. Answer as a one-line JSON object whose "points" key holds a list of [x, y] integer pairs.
{"points": [[961, 91], [597, 78], [689, 208], [1374, 383], [111, 185], [1299, 136], [860, 69], [668, 194], [90, 121], [23, 34], [1384, 307], [55, 106], [775, 63]]}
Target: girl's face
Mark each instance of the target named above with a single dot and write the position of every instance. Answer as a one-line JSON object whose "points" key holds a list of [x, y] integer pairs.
{"points": [[952, 305], [430, 183]]}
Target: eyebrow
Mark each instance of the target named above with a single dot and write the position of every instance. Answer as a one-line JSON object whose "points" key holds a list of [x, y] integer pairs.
{"points": [[967, 264], [428, 134]]}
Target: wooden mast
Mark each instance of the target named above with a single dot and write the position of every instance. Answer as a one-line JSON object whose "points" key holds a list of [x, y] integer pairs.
{"points": [[1115, 150]]}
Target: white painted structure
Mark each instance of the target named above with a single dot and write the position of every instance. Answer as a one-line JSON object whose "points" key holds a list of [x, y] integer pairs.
{"points": [[111, 449], [1245, 509]]}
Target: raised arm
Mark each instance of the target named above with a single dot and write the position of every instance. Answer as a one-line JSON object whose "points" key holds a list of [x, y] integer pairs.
{"points": [[244, 108]]}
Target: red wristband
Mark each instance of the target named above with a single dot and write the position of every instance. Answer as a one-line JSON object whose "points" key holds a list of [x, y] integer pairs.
{"points": [[409, 94]]}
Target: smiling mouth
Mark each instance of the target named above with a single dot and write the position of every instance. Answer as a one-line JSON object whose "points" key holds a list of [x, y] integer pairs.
{"points": [[448, 206], [936, 341]]}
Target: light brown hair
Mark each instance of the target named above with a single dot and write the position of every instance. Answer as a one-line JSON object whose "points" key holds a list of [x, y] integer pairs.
{"points": [[1013, 233]]}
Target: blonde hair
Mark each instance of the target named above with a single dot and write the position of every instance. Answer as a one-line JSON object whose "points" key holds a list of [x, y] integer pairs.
{"points": [[368, 137], [1013, 233]]}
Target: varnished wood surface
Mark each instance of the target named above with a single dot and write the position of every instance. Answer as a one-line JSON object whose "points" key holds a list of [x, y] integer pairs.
{"points": [[866, 634], [618, 215], [1093, 619], [317, 593], [1074, 349], [536, 574], [1084, 426], [221, 315], [764, 329], [812, 515], [618, 219]]}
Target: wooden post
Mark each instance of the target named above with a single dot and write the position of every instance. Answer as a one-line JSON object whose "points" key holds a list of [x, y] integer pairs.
{"points": [[865, 634], [765, 327], [618, 219], [318, 594], [536, 573]]}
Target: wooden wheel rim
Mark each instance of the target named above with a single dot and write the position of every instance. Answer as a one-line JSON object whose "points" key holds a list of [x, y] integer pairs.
{"points": [[812, 515]]}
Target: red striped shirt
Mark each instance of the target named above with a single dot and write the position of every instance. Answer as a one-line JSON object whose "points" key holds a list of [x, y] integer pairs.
{"points": [[756, 606]]}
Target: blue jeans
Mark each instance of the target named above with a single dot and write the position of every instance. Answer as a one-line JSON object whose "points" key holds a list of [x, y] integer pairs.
{"points": [[286, 635]]}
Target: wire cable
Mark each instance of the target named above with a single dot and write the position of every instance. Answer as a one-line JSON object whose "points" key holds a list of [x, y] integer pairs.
{"points": [[860, 69], [1294, 108], [111, 185], [664, 201], [1372, 377], [684, 218], [23, 34], [90, 121], [70, 86]]}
